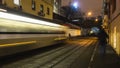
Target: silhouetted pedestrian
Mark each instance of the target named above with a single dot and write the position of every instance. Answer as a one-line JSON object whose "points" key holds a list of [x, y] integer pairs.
{"points": [[102, 37], [69, 35]]}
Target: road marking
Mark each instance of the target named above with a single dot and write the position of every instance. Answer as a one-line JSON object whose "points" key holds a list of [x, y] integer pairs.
{"points": [[92, 57], [19, 43]]}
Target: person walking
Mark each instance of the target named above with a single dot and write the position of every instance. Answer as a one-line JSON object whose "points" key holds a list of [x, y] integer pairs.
{"points": [[102, 37]]}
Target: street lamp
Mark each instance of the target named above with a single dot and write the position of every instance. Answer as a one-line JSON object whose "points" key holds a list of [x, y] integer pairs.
{"points": [[89, 13], [75, 5], [96, 20]]}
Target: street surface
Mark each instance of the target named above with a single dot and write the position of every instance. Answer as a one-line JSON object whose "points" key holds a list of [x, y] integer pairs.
{"points": [[77, 53]]}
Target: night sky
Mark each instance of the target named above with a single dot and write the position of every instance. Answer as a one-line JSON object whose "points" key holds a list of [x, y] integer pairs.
{"points": [[95, 6]]}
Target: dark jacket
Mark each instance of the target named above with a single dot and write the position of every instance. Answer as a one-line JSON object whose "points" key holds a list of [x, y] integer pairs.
{"points": [[102, 36]]}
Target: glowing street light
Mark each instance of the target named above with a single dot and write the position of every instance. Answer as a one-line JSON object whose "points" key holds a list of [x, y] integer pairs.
{"points": [[96, 20], [75, 5], [89, 13]]}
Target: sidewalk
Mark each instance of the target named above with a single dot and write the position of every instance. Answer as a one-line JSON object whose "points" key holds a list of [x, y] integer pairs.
{"points": [[110, 60]]}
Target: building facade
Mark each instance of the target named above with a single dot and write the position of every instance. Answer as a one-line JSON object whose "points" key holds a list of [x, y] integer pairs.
{"points": [[0, 1], [57, 6], [41, 8], [114, 23]]}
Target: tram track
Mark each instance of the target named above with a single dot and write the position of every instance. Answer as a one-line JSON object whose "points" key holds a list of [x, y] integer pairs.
{"points": [[64, 55], [71, 59], [67, 56]]}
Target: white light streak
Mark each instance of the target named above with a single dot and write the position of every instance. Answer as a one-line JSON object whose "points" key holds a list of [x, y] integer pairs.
{"points": [[26, 19]]}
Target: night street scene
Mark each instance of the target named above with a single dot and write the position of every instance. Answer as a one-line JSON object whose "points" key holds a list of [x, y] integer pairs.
{"points": [[59, 34]]}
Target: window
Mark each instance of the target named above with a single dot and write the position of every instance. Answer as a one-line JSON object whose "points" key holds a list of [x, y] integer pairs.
{"points": [[113, 5], [106, 8], [41, 8], [17, 2], [48, 11], [33, 5], [41, 13]]}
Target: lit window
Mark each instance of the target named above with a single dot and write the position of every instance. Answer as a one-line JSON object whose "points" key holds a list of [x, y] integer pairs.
{"points": [[33, 4], [41, 8], [17, 2]]}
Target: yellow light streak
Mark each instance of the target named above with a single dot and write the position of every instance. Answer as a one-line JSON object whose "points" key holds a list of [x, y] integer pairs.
{"points": [[16, 44]]}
